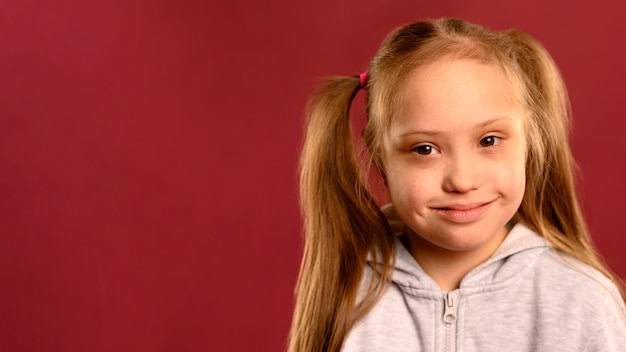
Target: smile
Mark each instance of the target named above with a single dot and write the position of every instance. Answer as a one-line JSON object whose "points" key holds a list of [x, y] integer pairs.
{"points": [[463, 213]]}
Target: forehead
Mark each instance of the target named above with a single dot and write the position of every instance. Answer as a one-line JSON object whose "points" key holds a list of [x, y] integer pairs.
{"points": [[450, 92]]}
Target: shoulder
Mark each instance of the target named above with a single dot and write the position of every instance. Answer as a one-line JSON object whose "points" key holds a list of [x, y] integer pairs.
{"points": [[385, 324], [554, 270], [584, 296], [568, 274]]}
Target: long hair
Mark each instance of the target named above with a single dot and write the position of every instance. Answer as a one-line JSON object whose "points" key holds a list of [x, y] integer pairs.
{"points": [[342, 222]]}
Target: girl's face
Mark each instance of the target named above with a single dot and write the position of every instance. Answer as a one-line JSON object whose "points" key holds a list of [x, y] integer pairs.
{"points": [[454, 158]]}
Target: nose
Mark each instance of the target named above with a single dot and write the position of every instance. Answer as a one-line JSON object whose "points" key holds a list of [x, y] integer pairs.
{"points": [[461, 174]]}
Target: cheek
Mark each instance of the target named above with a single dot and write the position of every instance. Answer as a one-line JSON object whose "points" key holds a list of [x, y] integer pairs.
{"points": [[514, 179], [519, 183], [409, 188]]}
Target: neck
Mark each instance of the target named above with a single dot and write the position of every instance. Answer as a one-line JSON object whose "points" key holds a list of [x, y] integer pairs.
{"points": [[448, 267]]}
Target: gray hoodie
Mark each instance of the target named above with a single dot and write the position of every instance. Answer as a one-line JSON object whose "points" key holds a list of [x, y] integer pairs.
{"points": [[525, 297]]}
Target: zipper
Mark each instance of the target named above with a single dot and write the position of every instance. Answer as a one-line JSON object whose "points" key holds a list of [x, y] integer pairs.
{"points": [[451, 305]]}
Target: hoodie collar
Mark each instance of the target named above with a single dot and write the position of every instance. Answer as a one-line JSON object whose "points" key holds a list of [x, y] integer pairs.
{"points": [[520, 247]]}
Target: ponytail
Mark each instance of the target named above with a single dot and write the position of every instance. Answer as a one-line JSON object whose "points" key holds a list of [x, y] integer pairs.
{"points": [[342, 225], [550, 204]]}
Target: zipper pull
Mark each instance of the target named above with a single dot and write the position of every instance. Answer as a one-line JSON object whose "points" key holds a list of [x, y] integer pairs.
{"points": [[450, 306]]}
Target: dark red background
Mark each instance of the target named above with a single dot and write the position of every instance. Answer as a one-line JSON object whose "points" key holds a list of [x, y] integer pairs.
{"points": [[148, 156]]}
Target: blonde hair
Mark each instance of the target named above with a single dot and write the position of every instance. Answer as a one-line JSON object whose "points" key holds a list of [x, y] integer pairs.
{"points": [[342, 221]]}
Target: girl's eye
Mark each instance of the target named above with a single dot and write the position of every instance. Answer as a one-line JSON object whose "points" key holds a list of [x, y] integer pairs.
{"points": [[425, 149], [489, 141]]}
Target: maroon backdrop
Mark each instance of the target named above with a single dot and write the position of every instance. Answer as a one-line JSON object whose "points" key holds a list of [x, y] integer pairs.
{"points": [[148, 156]]}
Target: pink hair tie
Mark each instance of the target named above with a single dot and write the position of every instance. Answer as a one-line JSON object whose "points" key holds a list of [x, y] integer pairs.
{"points": [[363, 79]]}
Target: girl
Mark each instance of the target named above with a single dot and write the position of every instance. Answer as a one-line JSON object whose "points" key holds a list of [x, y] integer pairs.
{"points": [[484, 247]]}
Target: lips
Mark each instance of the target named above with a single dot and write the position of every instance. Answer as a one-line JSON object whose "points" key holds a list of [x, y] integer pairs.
{"points": [[464, 206], [463, 213]]}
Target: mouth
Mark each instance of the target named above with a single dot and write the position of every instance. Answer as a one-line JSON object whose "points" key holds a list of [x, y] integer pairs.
{"points": [[463, 213], [468, 206]]}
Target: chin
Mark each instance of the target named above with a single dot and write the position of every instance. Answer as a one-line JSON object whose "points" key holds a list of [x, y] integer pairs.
{"points": [[463, 239]]}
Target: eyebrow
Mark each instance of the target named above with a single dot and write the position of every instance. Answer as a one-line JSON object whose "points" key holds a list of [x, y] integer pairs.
{"points": [[480, 125]]}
